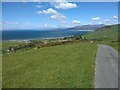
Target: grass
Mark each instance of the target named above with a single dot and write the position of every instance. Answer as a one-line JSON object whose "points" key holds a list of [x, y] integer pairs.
{"points": [[107, 35], [115, 45], [104, 34], [0, 65], [7, 44], [64, 66]]}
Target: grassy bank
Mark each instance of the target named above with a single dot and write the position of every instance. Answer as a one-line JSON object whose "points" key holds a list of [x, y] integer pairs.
{"points": [[61, 66], [108, 35]]}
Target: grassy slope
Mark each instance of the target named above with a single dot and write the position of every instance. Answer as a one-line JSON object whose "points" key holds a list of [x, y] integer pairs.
{"points": [[107, 35], [58, 66]]}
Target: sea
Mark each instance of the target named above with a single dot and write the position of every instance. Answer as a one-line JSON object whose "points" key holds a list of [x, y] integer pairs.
{"points": [[38, 34]]}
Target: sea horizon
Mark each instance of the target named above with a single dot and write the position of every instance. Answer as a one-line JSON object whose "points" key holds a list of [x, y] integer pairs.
{"points": [[23, 35]]}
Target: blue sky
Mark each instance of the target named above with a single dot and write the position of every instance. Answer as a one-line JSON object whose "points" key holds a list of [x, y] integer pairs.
{"points": [[44, 15]]}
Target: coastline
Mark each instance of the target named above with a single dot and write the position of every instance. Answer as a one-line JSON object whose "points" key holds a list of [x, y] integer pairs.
{"points": [[25, 40], [41, 35]]}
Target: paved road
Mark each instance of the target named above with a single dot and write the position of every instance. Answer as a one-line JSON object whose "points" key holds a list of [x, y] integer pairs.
{"points": [[106, 67]]}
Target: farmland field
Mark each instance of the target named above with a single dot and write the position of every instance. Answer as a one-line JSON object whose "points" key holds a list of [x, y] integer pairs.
{"points": [[63, 66]]}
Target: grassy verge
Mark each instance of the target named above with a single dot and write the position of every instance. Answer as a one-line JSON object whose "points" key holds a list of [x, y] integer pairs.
{"points": [[64, 66], [115, 45]]}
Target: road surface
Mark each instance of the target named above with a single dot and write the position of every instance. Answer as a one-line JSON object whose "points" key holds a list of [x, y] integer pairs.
{"points": [[106, 67]]}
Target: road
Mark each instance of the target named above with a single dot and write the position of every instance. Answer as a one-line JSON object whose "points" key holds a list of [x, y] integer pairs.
{"points": [[106, 67]]}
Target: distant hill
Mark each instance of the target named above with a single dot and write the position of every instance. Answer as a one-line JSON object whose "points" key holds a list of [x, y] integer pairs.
{"points": [[87, 27], [105, 33]]}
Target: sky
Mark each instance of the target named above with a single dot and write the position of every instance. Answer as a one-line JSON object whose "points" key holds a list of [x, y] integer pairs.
{"points": [[45, 15]]}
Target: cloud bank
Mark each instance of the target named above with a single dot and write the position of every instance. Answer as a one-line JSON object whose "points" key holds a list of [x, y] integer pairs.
{"points": [[65, 5], [96, 18], [53, 14]]}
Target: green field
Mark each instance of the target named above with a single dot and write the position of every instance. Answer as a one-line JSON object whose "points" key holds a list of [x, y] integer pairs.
{"points": [[62, 66], [107, 35], [56, 66], [110, 33], [7, 44], [0, 65]]}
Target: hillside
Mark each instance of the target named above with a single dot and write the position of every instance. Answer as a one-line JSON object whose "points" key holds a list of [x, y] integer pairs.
{"points": [[54, 67], [61, 66], [105, 33], [108, 35], [87, 27]]}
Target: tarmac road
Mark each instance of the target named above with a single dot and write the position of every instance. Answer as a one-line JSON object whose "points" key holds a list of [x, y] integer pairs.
{"points": [[106, 67]]}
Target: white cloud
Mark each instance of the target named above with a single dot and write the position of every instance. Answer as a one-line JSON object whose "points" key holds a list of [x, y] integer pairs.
{"points": [[54, 14], [48, 11], [37, 0], [60, 0], [107, 20], [58, 16], [115, 17], [76, 22], [10, 22], [96, 18], [64, 5], [100, 23], [45, 25], [90, 23], [23, 1], [38, 6], [116, 23]]}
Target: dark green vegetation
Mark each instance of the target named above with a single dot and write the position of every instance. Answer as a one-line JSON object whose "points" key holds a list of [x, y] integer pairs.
{"points": [[64, 66], [108, 35]]}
